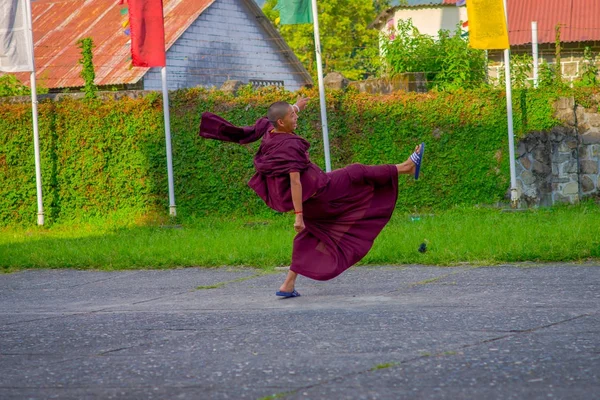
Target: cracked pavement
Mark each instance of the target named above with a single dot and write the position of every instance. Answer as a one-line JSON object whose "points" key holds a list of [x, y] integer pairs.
{"points": [[413, 332]]}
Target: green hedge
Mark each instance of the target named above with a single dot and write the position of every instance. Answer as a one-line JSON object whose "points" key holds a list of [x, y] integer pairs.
{"points": [[106, 156]]}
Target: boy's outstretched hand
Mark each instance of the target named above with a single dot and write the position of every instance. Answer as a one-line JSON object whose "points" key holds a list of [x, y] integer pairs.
{"points": [[301, 102]]}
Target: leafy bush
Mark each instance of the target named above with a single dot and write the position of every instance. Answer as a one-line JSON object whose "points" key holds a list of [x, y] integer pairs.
{"points": [[11, 86], [448, 61], [589, 76], [108, 156], [521, 66]]}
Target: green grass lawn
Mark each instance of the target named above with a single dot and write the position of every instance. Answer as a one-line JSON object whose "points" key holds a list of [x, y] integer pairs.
{"points": [[470, 235]]}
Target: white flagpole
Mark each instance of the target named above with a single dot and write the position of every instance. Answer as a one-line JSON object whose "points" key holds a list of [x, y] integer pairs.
{"points": [[321, 87], [514, 195], [172, 209], [534, 51], [36, 134]]}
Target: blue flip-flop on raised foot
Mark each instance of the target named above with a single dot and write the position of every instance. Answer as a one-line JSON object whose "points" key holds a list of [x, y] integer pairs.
{"points": [[417, 158]]}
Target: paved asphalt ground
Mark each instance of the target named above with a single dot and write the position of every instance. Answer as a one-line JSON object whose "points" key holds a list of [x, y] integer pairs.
{"points": [[507, 332]]}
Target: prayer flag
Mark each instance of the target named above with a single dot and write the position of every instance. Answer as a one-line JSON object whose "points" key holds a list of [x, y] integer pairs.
{"points": [[146, 25], [465, 29], [461, 3], [16, 48], [294, 12], [487, 24]]}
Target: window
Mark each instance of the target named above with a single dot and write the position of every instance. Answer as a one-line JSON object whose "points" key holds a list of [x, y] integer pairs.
{"points": [[258, 83]]}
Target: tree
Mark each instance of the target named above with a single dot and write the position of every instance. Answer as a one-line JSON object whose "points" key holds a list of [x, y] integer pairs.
{"points": [[382, 5], [348, 45]]}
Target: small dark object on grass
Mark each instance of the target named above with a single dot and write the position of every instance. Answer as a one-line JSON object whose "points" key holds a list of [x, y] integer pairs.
{"points": [[422, 248]]}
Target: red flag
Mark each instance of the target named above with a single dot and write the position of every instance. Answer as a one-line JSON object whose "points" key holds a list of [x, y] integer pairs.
{"points": [[147, 33]]}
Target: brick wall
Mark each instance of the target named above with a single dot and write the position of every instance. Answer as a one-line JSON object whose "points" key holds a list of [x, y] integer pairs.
{"points": [[224, 43], [572, 60]]}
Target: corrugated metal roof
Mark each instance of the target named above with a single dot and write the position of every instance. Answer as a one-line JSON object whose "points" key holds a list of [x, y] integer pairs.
{"points": [[423, 3], [59, 24], [580, 20]]}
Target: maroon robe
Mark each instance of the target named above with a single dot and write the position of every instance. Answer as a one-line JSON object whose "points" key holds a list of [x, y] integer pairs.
{"points": [[344, 210]]}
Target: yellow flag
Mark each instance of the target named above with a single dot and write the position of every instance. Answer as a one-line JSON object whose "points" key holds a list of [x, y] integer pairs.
{"points": [[487, 24]]}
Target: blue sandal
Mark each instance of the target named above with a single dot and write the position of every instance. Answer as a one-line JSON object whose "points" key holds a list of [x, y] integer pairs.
{"points": [[287, 295], [417, 158]]}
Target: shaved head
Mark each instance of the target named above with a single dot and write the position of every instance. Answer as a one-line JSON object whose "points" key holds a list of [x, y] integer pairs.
{"points": [[277, 110]]}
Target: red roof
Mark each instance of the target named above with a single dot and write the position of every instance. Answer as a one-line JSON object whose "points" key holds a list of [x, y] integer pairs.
{"points": [[580, 20], [59, 24]]}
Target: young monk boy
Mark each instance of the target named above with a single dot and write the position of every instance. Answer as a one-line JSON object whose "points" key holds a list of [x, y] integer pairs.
{"points": [[338, 214]]}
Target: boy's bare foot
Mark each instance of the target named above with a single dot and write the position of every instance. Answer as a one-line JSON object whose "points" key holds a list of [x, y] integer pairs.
{"points": [[409, 166]]}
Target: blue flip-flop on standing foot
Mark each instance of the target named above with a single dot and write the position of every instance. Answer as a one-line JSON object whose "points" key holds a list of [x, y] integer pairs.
{"points": [[287, 294], [417, 158]]}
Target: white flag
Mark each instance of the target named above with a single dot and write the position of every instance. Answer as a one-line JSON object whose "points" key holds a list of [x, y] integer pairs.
{"points": [[16, 49]]}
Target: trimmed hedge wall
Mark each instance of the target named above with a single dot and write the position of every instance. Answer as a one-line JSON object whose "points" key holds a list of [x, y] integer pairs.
{"points": [[105, 156]]}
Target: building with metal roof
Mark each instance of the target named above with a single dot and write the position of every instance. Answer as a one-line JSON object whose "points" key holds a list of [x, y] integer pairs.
{"points": [[580, 19], [579, 22], [207, 43]]}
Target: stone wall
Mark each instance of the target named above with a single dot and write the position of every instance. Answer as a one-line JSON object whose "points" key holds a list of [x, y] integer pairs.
{"points": [[561, 165], [409, 82]]}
